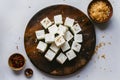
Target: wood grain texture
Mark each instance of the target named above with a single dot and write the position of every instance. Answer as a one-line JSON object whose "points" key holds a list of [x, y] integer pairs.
{"points": [[54, 68]]}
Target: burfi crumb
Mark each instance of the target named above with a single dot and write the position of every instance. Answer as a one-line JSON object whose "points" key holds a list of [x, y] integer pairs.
{"points": [[54, 72], [103, 56], [36, 40], [104, 69], [78, 76], [43, 77], [17, 47], [29, 6], [109, 43], [100, 67], [95, 61], [19, 38], [86, 75], [103, 36], [62, 12], [83, 61], [99, 46], [111, 37], [110, 70]]}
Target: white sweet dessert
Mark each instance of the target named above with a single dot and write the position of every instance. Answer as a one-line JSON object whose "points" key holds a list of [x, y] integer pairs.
{"points": [[42, 46], [65, 46], [53, 29], [54, 48], [76, 28], [71, 55], [50, 55], [62, 30], [40, 34], [46, 22], [61, 58], [49, 38], [58, 19], [68, 36], [76, 46], [69, 22], [59, 41], [78, 38]]}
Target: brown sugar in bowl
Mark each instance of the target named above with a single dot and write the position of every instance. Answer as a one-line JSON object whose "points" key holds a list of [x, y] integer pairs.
{"points": [[16, 61], [100, 11]]}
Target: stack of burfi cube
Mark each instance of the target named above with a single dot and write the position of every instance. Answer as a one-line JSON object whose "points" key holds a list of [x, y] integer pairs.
{"points": [[58, 37]]}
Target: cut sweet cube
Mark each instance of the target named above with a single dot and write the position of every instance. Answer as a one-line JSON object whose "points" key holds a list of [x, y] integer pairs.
{"points": [[76, 46], [40, 34], [61, 58], [71, 55], [42, 46], [50, 55], [49, 38], [78, 38], [46, 22], [76, 28], [54, 48], [62, 29], [58, 19], [65, 46], [59, 41], [69, 22], [68, 36], [53, 29]]}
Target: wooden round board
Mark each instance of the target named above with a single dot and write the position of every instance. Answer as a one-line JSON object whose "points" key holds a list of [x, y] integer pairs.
{"points": [[69, 67]]}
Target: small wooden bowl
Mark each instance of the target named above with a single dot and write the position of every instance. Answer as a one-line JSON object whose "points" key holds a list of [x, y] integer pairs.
{"points": [[16, 61], [100, 14], [28, 72]]}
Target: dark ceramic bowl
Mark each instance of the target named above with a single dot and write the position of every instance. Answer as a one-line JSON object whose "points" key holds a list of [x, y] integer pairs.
{"points": [[16, 61], [28, 72], [100, 13]]}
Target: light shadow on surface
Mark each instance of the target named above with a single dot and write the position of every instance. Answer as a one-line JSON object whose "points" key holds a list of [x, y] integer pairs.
{"points": [[17, 72], [103, 26]]}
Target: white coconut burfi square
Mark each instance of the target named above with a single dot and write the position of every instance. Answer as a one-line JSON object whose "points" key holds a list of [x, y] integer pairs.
{"points": [[65, 46], [46, 22], [68, 36], [54, 48], [69, 22], [59, 41], [49, 38], [61, 58], [42, 46], [53, 29], [76, 46], [40, 34], [58, 19], [76, 28], [50, 55], [62, 30], [71, 55], [78, 38]]}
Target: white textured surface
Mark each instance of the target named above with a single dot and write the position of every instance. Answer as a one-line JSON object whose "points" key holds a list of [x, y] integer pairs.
{"points": [[14, 16]]}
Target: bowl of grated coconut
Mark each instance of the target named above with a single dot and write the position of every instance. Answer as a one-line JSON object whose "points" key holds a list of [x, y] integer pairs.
{"points": [[100, 11]]}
